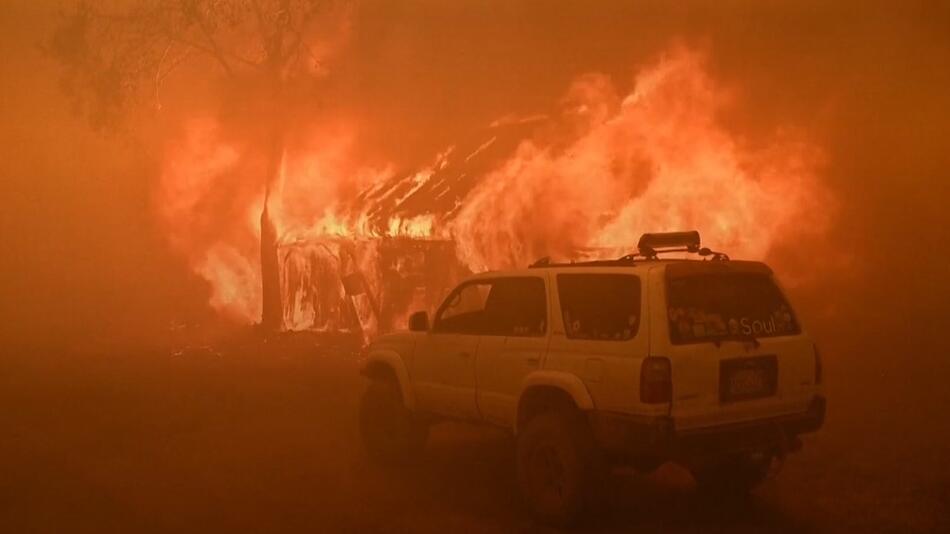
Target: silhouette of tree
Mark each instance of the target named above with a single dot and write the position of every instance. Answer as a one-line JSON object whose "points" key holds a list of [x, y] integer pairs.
{"points": [[117, 57]]}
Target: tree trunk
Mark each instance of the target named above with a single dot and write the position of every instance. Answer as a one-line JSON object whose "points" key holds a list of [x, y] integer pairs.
{"points": [[272, 311]]}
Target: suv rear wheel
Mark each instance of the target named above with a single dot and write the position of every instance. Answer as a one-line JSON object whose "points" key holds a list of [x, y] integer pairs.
{"points": [[391, 433], [559, 466]]}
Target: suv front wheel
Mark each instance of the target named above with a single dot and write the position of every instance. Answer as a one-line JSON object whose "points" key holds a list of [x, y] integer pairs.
{"points": [[391, 433]]}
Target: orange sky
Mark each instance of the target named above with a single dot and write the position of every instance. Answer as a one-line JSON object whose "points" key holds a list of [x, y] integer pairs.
{"points": [[83, 259]]}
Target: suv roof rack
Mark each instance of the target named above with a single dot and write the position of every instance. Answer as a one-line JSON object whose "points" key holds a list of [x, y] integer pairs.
{"points": [[649, 247], [619, 262], [650, 244]]}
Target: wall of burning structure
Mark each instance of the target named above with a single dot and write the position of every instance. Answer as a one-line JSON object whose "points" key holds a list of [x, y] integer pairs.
{"points": [[364, 286]]}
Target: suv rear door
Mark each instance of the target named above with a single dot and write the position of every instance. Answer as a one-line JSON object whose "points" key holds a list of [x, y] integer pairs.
{"points": [[512, 345], [600, 333], [735, 345]]}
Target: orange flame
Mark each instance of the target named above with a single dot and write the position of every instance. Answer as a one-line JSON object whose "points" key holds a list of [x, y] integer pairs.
{"points": [[653, 160], [192, 200], [610, 167]]}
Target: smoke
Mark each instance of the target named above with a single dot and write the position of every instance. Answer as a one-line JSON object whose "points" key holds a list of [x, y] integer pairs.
{"points": [[863, 99], [819, 128]]}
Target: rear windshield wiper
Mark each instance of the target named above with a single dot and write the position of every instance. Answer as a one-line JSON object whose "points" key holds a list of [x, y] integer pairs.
{"points": [[737, 337]]}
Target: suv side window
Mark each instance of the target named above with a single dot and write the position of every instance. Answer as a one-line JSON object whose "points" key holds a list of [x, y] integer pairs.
{"points": [[517, 307], [463, 312], [502, 307], [600, 306]]}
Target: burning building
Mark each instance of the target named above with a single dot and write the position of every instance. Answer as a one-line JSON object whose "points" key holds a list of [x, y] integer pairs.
{"points": [[360, 247], [400, 261]]}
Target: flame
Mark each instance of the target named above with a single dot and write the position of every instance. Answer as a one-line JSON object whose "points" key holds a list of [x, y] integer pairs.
{"points": [[608, 167], [419, 227], [236, 284], [653, 160], [199, 204]]}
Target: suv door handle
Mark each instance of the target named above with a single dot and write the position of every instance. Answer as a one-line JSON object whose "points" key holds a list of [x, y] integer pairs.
{"points": [[465, 355], [533, 362]]}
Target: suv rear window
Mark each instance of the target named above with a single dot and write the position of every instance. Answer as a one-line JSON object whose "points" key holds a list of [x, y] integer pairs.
{"points": [[600, 306], [708, 307]]}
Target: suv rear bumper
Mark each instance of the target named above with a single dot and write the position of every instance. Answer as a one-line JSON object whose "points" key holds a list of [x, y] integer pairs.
{"points": [[630, 435]]}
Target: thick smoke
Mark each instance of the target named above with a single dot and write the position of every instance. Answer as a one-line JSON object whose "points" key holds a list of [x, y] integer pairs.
{"points": [[87, 256]]}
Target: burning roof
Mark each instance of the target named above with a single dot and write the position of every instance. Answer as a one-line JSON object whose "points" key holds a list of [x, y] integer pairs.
{"points": [[438, 190]]}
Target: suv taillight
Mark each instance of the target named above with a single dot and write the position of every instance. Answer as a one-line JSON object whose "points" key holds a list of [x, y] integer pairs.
{"points": [[818, 370], [656, 384]]}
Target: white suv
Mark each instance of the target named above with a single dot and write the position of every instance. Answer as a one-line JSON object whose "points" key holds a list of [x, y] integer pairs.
{"points": [[639, 360]]}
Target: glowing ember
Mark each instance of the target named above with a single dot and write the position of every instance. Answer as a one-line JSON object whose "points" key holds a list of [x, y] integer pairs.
{"points": [[614, 167]]}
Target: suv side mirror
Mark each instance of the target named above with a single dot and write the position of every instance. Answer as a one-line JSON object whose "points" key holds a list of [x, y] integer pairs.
{"points": [[419, 322]]}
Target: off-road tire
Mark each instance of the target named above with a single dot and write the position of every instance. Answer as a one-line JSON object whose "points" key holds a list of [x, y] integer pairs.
{"points": [[732, 476], [560, 467], [391, 433]]}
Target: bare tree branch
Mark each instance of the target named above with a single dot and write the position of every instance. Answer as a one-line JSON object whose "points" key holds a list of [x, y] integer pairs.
{"points": [[194, 14], [112, 58]]}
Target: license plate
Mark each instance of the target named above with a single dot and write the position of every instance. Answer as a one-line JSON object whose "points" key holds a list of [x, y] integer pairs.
{"points": [[748, 378]]}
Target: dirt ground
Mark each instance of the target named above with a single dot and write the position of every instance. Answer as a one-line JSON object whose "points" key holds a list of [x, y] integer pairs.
{"points": [[265, 439]]}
